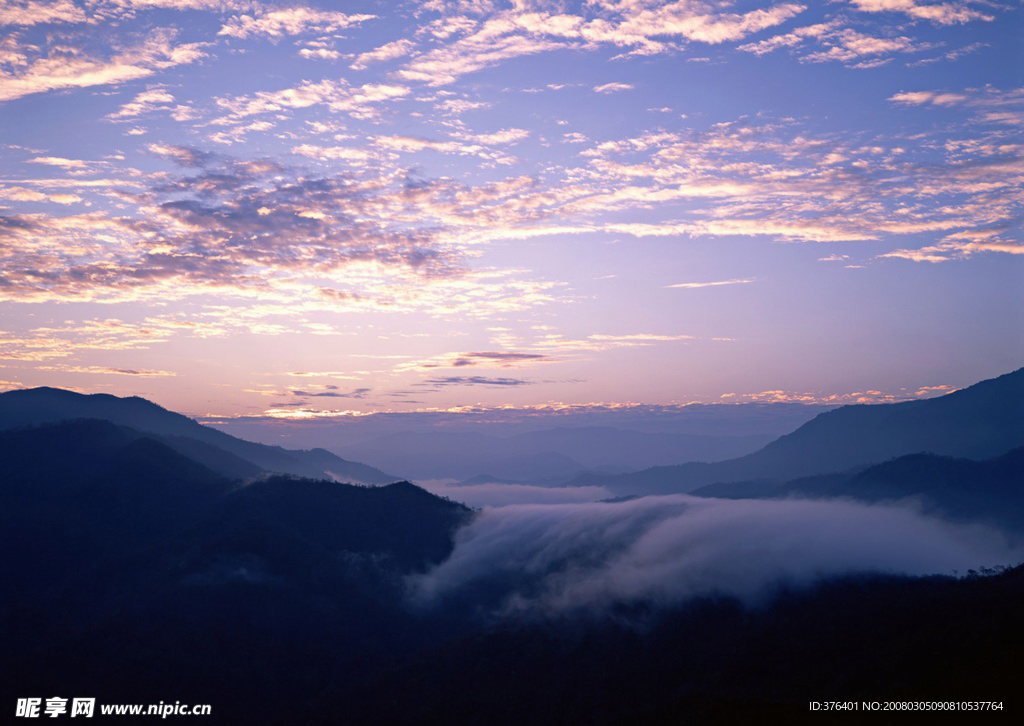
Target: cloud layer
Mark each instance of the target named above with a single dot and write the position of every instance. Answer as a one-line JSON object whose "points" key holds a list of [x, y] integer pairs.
{"points": [[664, 550]]}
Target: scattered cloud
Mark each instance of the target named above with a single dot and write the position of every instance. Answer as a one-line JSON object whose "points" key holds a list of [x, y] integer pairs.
{"points": [[37, 12], [941, 13], [62, 67], [276, 24], [487, 359], [473, 381], [155, 99], [336, 96], [354, 393], [613, 87], [106, 370], [713, 284], [386, 52]]}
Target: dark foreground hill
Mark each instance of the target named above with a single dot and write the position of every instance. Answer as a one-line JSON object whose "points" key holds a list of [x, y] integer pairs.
{"points": [[225, 454], [979, 422], [135, 574], [867, 639]]}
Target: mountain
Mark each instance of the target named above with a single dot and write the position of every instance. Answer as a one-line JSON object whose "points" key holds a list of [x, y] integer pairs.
{"points": [[547, 454], [230, 456], [80, 491], [130, 570], [978, 422], [961, 489]]}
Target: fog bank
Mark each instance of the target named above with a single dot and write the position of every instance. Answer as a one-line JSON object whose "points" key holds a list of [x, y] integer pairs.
{"points": [[561, 557]]}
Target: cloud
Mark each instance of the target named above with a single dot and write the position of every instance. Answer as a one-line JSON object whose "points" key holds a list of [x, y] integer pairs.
{"points": [[917, 98], [791, 39], [321, 53], [613, 87], [73, 68], [106, 370], [277, 24], [490, 359], [664, 550], [332, 153], [699, 22], [185, 156], [841, 44], [473, 381], [59, 161], [269, 240], [808, 397], [148, 101], [354, 393], [386, 52], [849, 45], [950, 13], [764, 179], [528, 30], [21, 194], [337, 96], [498, 138], [553, 342], [547, 348], [410, 144], [495, 42], [71, 339], [713, 284], [33, 12], [961, 245]]}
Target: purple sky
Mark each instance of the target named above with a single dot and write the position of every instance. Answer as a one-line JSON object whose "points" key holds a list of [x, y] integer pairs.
{"points": [[249, 208]]}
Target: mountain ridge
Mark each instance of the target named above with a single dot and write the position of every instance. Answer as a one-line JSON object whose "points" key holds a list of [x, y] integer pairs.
{"points": [[29, 406], [977, 422]]}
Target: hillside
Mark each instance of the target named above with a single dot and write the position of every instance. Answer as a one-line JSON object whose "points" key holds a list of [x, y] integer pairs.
{"points": [[131, 571], [979, 422], [224, 453], [990, 491]]}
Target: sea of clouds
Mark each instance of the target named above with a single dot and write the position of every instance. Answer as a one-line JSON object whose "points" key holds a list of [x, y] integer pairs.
{"points": [[568, 557]]}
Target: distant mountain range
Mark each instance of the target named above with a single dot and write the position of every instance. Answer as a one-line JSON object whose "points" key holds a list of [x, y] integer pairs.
{"points": [[229, 456], [979, 422], [548, 456]]}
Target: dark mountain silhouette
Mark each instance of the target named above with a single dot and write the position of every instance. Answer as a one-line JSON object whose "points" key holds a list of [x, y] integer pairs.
{"points": [[979, 422], [861, 639], [84, 490], [232, 457], [130, 571], [961, 489]]}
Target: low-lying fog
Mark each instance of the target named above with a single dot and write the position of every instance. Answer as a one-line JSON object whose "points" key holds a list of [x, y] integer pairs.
{"points": [[569, 556]]}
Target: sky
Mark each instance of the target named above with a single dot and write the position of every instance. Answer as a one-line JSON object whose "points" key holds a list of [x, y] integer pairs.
{"points": [[313, 211]]}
